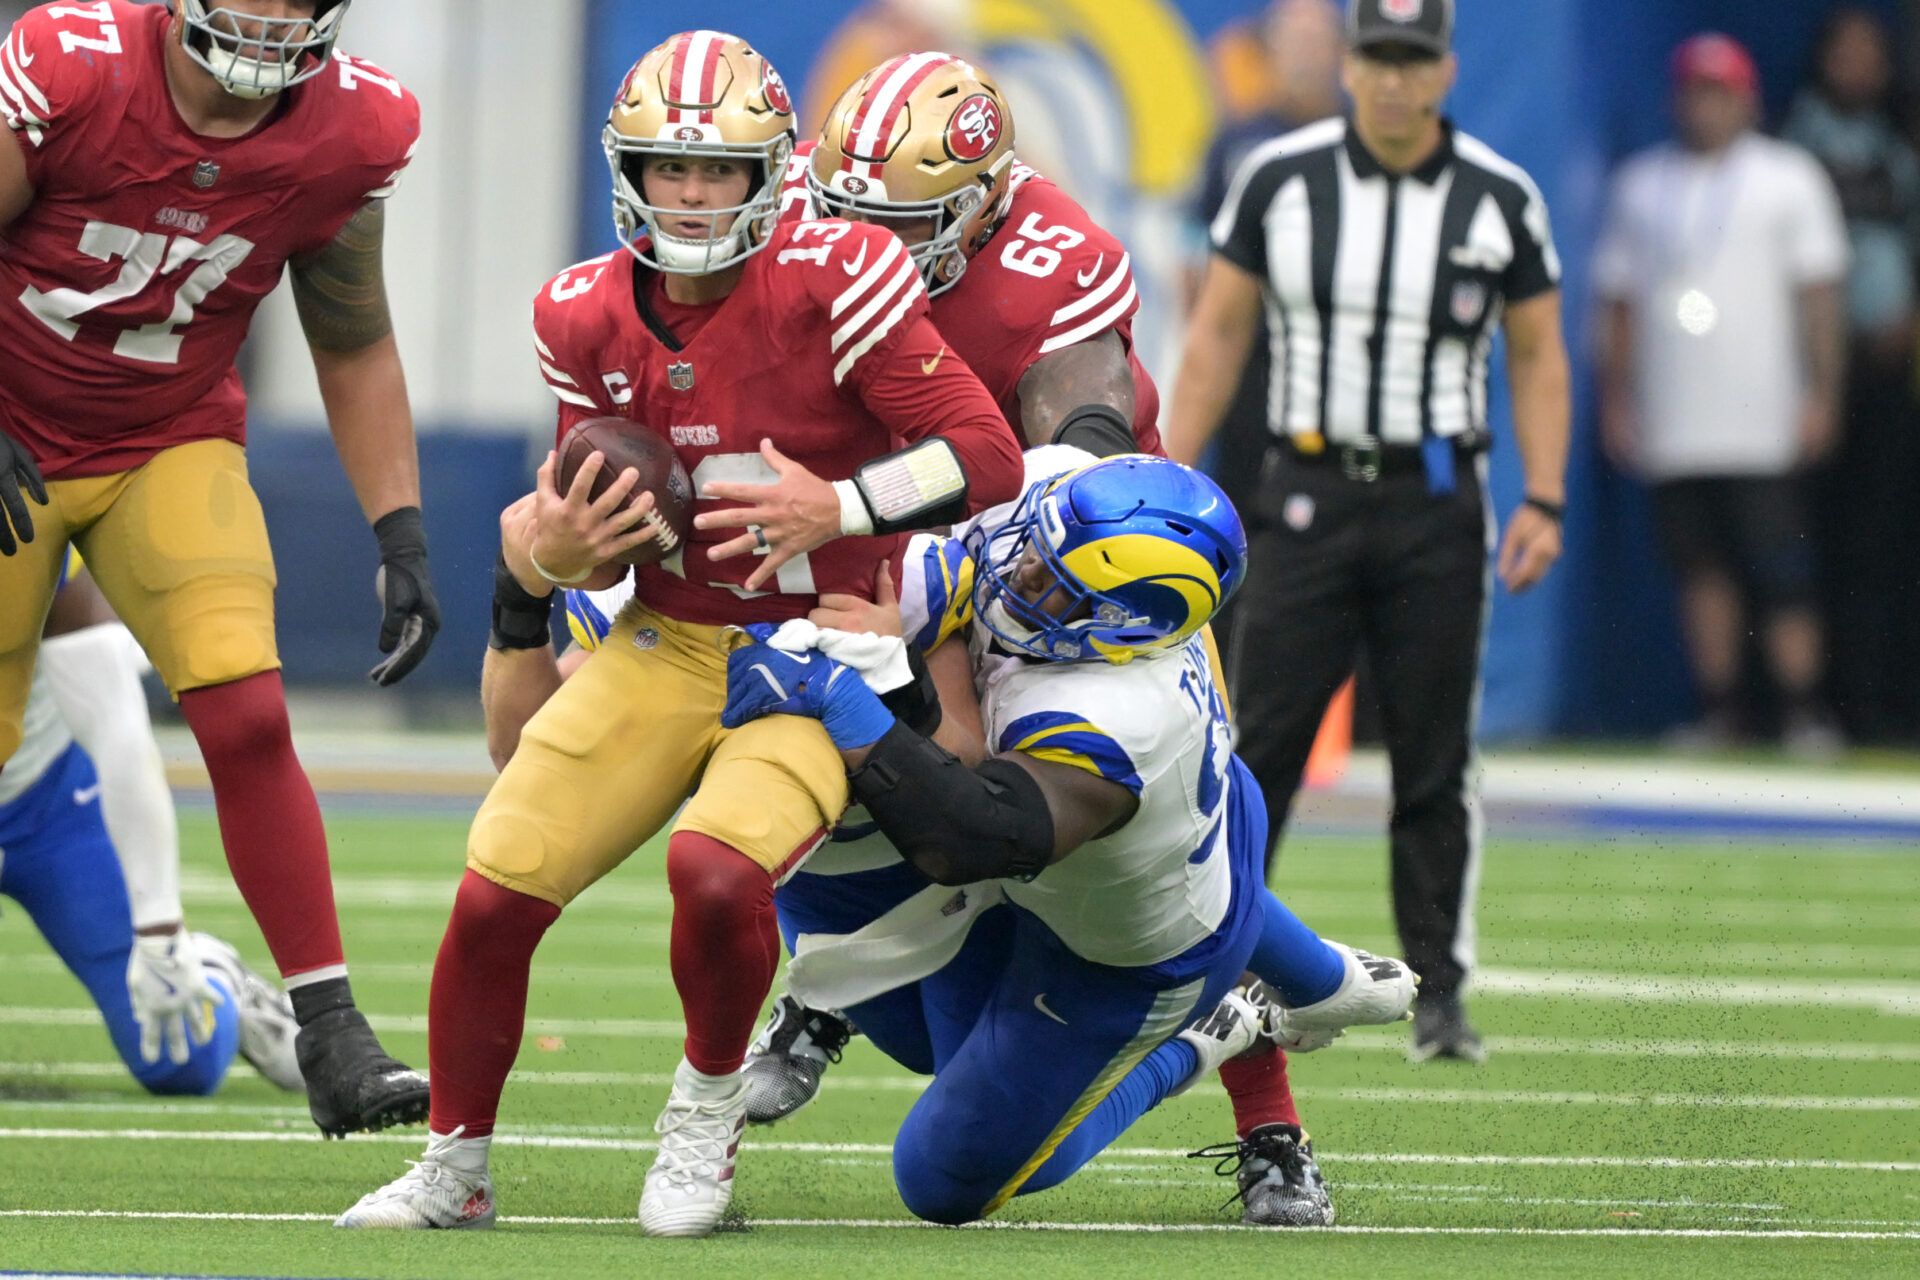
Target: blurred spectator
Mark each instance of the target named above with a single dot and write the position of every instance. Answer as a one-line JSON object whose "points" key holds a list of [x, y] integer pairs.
{"points": [[1302, 42], [1720, 269], [1866, 504]]}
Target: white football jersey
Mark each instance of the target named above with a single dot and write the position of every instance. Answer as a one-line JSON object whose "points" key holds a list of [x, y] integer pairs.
{"points": [[45, 738], [1160, 884]]}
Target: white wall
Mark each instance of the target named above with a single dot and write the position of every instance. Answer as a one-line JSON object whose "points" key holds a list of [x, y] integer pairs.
{"points": [[485, 213]]}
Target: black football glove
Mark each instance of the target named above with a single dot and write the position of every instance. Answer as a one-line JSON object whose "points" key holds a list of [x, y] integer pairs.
{"points": [[410, 616], [19, 480]]}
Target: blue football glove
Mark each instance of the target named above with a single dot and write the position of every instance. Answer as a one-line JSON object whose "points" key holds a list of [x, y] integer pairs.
{"points": [[765, 681]]}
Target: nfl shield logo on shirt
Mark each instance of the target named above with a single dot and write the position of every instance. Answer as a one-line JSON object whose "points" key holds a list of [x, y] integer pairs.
{"points": [[680, 375], [205, 174], [1469, 301]]}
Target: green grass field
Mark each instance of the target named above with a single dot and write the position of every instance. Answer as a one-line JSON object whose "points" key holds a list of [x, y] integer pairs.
{"points": [[1706, 1063]]}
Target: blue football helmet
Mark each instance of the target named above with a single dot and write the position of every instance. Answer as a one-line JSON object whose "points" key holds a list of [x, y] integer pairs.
{"points": [[1141, 551]]}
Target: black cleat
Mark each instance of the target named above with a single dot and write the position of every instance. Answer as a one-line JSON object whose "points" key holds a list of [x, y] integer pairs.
{"points": [[1441, 1030], [1280, 1184], [352, 1085], [786, 1061]]}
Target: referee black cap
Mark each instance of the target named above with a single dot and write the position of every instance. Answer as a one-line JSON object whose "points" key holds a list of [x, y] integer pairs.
{"points": [[1421, 24]]}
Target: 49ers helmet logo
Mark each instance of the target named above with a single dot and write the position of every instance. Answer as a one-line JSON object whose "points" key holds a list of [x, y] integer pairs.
{"points": [[974, 130], [776, 90], [687, 133]]}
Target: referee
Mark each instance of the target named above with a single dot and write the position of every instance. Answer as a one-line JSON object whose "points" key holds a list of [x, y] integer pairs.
{"points": [[1385, 248]]}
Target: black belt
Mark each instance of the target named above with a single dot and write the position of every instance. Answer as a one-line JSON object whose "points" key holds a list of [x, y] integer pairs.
{"points": [[1367, 463]]}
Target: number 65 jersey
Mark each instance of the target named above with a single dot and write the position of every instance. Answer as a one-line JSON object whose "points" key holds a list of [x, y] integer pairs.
{"points": [[128, 284]]}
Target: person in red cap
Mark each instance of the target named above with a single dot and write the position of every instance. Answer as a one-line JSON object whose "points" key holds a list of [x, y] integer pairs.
{"points": [[1720, 271]]}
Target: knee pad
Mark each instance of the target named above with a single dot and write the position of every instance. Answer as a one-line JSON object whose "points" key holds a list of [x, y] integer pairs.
{"points": [[708, 877], [929, 1187]]}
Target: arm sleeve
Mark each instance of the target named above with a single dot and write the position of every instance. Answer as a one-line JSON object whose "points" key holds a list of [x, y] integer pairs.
{"points": [[1238, 232], [1535, 268], [45, 89], [936, 590], [95, 677], [1819, 251], [922, 388]]}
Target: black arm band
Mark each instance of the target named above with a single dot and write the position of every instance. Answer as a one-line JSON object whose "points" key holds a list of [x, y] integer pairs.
{"points": [[915, 704], [922, 486], [954, 824], [1099, 429], [400, 532], [519, 616], [1554, 511]]}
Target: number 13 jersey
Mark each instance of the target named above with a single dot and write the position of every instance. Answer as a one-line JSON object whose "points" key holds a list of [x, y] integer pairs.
{"points": [[128, 284]]}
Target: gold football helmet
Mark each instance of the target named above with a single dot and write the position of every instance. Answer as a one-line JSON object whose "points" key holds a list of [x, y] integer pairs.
{"points": [[699, 94], [922, 143]]}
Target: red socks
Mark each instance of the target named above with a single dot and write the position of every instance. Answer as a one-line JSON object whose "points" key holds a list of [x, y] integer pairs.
{"points": [[478, 1007], [269, 820], [725, 946], [1259, 1090]]}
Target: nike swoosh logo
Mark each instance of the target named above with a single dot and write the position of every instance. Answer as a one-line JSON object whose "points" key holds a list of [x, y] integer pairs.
{"points": [[855, 267], [86, 795], [21, 55], [1040, 1003], [928, 366], [1087, 277]]}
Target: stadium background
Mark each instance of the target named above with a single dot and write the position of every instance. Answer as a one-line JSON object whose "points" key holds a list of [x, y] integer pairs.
{"points": [[1115, 98]]}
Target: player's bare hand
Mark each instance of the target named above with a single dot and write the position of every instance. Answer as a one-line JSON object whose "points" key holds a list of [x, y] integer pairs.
{"points": [[574, 534], [879, 616], [517, 525], [1531, 545], [19, 480], [795, 514]]}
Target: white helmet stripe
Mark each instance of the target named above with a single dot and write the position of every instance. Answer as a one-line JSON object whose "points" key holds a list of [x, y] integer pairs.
{"points": [[702, 50], [877, 121]]}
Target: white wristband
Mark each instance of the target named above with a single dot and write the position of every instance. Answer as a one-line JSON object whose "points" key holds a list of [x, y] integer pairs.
{"points": [[855, 520], [555, 578]]}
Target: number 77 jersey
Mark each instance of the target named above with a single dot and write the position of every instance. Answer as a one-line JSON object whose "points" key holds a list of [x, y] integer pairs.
{"points": [[130, 281]]}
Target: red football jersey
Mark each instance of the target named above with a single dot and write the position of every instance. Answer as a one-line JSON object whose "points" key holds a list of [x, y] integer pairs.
{"points": [[128, 284], [824, 347], [1050, 277]]}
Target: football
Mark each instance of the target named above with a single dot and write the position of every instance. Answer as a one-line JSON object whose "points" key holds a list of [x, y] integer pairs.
{"points": [[630, 444]]}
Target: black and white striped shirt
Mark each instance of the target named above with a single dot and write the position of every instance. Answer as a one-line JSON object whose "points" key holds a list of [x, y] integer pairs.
{"points": [[1383, 292]]}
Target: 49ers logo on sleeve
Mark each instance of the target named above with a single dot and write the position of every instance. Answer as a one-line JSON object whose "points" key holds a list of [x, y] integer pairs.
{"points": [[974, 131], [776, 90]]}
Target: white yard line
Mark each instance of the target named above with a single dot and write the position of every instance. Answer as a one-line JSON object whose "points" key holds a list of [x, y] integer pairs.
{"points": [[568, 1142], [1131, 1228], [1370, 1094]]}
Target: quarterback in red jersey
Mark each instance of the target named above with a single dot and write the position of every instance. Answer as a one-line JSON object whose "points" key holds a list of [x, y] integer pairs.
{"points": [[1039, 299], [786, 364], [165, 164]]}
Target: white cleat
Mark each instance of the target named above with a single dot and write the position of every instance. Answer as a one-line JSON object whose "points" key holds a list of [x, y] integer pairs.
{"points": [[1374, 990], [267, 1025], [431, 1196], [691, 1182]]}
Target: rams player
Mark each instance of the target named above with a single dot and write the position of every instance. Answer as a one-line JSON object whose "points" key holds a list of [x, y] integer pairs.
{"points": [[89, 849], [1110, 848], [783, 362], [1039, 299]]}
